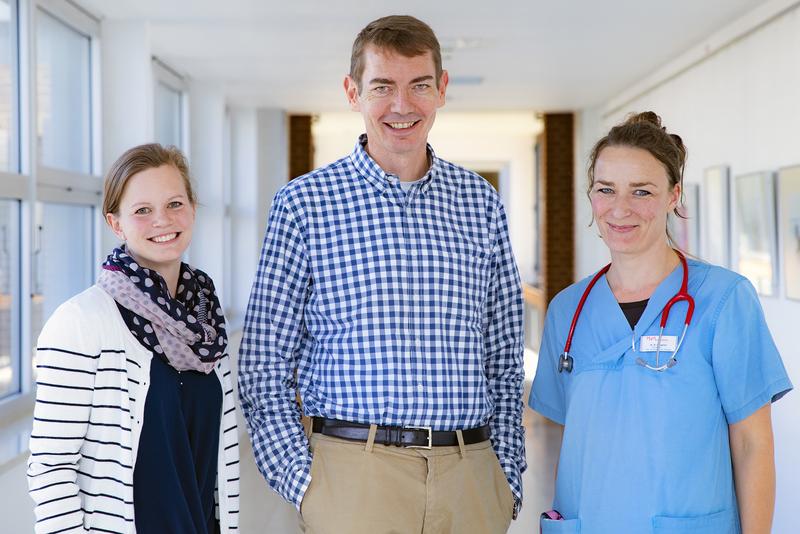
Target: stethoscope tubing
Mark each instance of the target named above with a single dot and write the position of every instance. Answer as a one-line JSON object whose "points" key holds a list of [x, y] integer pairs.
{"points": [[565, 361]]}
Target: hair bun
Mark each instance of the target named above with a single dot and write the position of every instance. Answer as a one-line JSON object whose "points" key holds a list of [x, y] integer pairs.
{"points": [[678, 141], [645, 116]]}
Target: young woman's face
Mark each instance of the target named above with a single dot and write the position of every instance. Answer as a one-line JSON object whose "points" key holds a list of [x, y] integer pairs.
{"points": [[631, 198], [155, 218]]}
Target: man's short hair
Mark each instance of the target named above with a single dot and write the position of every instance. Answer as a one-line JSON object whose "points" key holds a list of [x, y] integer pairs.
{"points": [[402, 34]]}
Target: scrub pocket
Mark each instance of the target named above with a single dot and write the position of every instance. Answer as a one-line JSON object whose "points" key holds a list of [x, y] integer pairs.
{"points": [[567, 526], [724, 522]]}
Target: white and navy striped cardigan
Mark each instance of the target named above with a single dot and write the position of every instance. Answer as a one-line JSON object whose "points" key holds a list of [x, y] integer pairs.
{"points": [[92, 383]]}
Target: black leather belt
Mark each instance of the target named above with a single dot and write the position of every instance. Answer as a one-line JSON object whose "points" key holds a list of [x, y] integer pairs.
{"points": [[409, 437]]}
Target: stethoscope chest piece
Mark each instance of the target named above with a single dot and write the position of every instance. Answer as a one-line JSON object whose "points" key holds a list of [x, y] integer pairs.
{"points": [[565, 363]]}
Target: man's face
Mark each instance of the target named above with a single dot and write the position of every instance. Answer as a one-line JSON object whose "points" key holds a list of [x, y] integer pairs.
{"points": [[398, 99]]}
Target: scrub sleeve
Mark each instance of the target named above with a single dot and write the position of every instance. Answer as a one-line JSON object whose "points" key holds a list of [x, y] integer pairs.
{"points": [[547, 393], [747, 366]]}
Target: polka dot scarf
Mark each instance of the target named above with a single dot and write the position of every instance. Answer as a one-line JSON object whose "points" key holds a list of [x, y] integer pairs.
{"points": [[187, 331]]}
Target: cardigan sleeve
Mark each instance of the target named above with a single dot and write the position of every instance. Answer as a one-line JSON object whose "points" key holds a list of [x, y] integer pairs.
{"points": [[67, 355]]}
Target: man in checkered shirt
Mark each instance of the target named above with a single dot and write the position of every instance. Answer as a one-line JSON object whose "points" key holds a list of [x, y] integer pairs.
{"points": [[387, 295]]}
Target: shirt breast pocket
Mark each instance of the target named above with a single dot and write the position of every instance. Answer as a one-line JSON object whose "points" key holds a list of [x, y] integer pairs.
{"points": [[459, 279]]}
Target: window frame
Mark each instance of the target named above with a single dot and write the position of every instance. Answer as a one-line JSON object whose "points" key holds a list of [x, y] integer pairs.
{"points": [[86, 25], [32, 183], [15, 155], [170, 78], [15, 185]]}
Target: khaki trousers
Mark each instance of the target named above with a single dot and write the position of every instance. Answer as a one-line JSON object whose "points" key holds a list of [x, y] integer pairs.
{"points": [[376, 489]]}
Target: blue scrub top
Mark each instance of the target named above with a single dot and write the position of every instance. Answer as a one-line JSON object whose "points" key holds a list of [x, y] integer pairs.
{"points": [[645, 451]]}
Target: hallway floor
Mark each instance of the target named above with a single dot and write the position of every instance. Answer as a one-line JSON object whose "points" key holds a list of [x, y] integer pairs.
{"points": [[264, 512]]}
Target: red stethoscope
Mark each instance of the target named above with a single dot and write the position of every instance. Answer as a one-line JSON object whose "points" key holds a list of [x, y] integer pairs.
{"points": [[565, 361]]}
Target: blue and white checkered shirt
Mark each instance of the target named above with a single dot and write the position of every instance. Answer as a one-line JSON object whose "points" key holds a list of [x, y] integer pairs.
{"points": [[394, 308]]}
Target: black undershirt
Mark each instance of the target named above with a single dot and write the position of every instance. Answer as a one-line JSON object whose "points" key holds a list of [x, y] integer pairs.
{"points": [[633, 310]]}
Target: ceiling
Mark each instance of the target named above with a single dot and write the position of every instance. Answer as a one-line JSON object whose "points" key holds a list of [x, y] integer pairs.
{"points": [[545, 55]]}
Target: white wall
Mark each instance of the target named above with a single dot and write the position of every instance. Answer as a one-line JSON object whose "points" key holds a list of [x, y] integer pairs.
{"points": [[273, 161], [244, 220], [501, 142], [206, 161], [127, 87], [127, 96], [259, 167], [736, 105], [591, 252]]}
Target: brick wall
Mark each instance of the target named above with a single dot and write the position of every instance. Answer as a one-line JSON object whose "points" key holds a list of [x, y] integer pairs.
{"points": [[301, 145], [558, 213]]}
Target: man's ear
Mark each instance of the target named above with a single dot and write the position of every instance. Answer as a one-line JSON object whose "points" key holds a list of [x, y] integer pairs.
{"points": [[352, 91], [443, 81]]}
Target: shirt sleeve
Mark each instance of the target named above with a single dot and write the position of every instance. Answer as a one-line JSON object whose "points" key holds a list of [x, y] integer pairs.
{"points": [[747, 366], [503, 358], [66, 360], [547, 392], [272, 338]]}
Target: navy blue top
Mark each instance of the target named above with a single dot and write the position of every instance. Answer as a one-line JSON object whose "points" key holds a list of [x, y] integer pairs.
{"points": [[176, 466], [633, 310]]}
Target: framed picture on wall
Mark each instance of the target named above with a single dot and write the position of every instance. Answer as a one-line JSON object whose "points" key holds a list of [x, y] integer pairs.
{"points": [[755, 243], [686, 230], [789, 227], [716, 215]]}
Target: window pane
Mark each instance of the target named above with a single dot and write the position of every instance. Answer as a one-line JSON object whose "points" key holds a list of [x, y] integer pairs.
{"points": [[8, 86], [168, 115], [9, 301], [63, 77], [63, 258]]}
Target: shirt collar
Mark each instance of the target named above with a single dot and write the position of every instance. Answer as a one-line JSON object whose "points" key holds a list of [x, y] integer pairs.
{"points": [[369, 169]]}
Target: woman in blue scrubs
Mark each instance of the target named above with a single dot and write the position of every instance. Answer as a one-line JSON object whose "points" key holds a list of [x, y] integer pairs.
{"points": [[661, 441]]}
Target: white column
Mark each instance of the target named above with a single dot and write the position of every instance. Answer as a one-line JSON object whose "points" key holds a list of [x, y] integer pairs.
{"points": [[127, 75], [590, 251], [127, 95], [259, 167], [244, 207], [206, 162], [273, 161]]}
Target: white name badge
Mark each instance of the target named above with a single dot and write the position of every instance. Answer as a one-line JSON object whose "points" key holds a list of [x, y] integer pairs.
{"points": [[650, 343]]}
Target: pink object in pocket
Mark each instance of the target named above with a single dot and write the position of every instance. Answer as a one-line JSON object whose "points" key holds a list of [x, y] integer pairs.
{"points": [[551, 515]]}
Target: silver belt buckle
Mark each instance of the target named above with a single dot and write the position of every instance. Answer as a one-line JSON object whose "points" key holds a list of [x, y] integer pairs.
{"points": [[430, 437]]}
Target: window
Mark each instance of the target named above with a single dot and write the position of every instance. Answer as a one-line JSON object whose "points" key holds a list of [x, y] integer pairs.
{"points": [[12, 191], [169, 101], [63, 80], [63, 257], [168, 115], [9, 298], [56, 217], [48, 194], [8, 87]]}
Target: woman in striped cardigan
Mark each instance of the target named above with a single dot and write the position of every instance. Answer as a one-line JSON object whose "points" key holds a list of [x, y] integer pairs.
{"points": [[134, 427]]}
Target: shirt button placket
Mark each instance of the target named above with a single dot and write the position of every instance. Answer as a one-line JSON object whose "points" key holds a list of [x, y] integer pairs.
{"points": [[405, 289], [416, 276]]}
